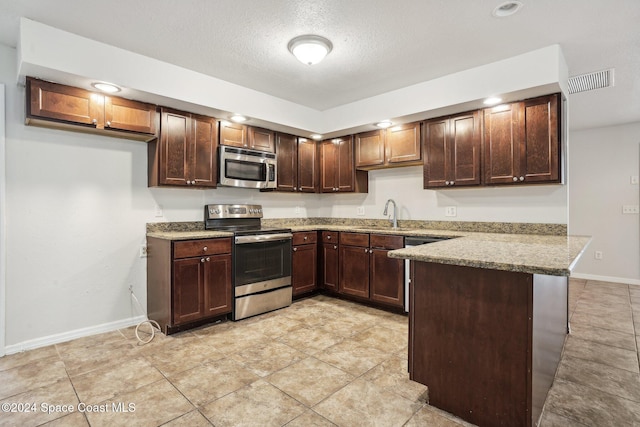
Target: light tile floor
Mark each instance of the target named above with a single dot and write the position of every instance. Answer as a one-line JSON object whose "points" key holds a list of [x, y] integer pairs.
{"points": [[320, 362]]}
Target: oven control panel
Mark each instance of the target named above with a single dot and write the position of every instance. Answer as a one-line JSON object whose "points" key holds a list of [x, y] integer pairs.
{"points": [[232, 211]]}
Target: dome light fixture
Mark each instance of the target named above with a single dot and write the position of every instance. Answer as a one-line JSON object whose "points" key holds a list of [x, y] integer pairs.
{"points": [[493, 100], [238, 118], [316, 137], [106, 87], [310, 49], [507, 8], [383, 124]]}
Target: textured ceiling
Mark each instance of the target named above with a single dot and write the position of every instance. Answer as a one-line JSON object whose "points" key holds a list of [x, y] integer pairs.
{"points": [[379, 45]]}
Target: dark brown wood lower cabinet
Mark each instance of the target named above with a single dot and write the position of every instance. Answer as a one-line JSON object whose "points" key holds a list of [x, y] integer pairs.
{"points": [[354, 271], [304, 262], [330, 266], [487, 353]]}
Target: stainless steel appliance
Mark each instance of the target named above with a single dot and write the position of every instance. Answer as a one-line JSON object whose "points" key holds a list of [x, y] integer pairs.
{"points": [[261, 258], [239, 167], [410, 241]]}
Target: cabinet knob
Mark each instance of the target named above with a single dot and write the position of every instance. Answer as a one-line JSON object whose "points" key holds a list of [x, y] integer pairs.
{"points": [[94, 121], [366, 250], [208, 259], [370, 251], [515, 178], [108, 124], [205, 249], [522, 178], [295, 188], [295, 249], [201, 259], [446, 183], [304, 238], [335, 247], [328, 237]]}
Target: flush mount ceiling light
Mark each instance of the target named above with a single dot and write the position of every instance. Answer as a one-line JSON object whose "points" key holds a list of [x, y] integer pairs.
{"points": [[493, 100], [310, 49], [238, 118], [106, 87], [316, 137], [507, 8], [383, 124]]}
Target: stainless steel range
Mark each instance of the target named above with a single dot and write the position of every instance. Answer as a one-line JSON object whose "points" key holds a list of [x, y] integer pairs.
{"points": [[261, 259]]}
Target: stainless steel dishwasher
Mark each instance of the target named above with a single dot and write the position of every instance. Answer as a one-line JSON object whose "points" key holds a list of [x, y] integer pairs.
{"points": [[410, 241]]}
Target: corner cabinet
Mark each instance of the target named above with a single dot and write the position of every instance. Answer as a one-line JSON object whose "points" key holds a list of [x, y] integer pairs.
{"points": [[58, 106], [185, 154], [337, 168], [522, 142], [452, 150], [297, 164], [188, 282]]}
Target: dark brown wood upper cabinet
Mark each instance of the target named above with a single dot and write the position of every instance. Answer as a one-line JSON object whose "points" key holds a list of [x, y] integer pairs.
{"points": [[337, 171], [452, 150], [185, 154], [522, 142], [59, 106], [393, 147], [242, 136], [297, 164]]}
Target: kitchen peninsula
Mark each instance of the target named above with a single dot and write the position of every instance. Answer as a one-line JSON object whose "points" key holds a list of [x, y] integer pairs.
{"points": [[487, 322]]}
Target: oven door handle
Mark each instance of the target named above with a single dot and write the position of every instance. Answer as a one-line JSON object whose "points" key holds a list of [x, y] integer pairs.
{"points": [[241, 240]]}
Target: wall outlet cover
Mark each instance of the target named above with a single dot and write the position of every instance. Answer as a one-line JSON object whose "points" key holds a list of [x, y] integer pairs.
{"points": [[630, 209], [450, 211], [360, 210]]}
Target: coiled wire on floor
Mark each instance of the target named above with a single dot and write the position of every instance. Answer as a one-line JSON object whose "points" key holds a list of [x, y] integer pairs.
{"points": [[153, 325]]}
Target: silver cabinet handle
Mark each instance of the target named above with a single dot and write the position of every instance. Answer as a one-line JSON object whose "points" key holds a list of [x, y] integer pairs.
{"points": [[515, 178], [366, 250], [295, 249], [446, 183], [305, 238], [208, 259], [335, 247], [328, 237], [370, 251], [108, 124], [201, 259], [94, 121], [522, 178], [205, 249]]}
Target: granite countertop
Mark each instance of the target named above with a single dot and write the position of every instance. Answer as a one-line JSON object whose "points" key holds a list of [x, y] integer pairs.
{"points": [[527, 248], [534, 254]]}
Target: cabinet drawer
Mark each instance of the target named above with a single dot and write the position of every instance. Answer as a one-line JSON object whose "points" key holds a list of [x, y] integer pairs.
{"points": [[330, 237], [354, 239], [304, 238], [386, 241], [193, 248]]}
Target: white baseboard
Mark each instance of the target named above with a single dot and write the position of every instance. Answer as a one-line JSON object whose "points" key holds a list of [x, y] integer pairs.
{"points": [[623, 280], [71, 335]]}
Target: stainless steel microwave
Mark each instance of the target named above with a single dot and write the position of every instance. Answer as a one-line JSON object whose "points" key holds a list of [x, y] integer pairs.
{"points": [[239, 167]]}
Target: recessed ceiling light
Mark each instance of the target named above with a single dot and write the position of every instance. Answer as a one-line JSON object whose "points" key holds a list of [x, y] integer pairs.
{"points": [[106, 87], [238, 118], [507, 8], [383, 124], [310, 49], [493, 100]]}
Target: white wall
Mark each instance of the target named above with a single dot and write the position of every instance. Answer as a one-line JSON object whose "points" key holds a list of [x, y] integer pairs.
{"points": [[601, 162], [77, 206]]}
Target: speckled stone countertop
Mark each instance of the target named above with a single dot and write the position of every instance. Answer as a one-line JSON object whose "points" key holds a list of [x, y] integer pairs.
{"points": [[522, 247], [525, 253]]}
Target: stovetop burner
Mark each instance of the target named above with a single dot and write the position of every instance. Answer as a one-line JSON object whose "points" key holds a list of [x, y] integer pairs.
{"points": [[238, 219]]}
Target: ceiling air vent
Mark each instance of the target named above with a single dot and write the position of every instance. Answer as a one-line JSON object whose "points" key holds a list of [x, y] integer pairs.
{"points": [[591, 81]]}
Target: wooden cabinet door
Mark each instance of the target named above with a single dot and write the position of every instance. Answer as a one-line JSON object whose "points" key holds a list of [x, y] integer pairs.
{"points": [[330, 266], [307, 166], [287, 158], [188, 287], [174, 148], [328, 167], [541, 148], [233, 134], [387, 278], [503, 128], [354, 271], [261, 139], [60, 102], [202, 151], [304, 268], [370, 149], [134, 116], [403, 144], [345, 171], [465, 148], [437, 156], [217, 285]]}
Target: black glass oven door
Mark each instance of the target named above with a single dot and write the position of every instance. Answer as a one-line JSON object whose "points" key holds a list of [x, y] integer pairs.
{"points": [[261, 261]]}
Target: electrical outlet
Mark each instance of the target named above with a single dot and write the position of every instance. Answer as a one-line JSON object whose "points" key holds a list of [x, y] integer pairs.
{"points": [[630, 209], [450, 211], [297, 210], [144, 252], [159, 212], [360, 210], [597, 254], [634, 179]]}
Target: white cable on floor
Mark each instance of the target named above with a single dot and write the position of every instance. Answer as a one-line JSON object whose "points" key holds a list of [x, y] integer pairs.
{"points": [[152, 323]]}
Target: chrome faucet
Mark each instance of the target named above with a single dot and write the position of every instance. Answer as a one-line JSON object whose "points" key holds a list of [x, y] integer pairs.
{"points": [[394, 220]]}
